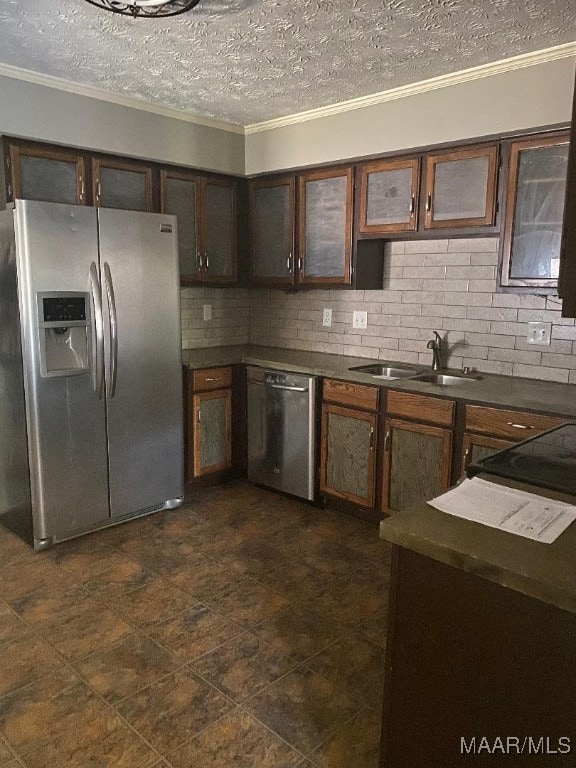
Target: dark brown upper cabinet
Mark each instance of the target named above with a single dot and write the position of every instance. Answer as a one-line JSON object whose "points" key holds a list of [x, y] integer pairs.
{"points": [[567, 276], [272, 229], [121, 184], [206, 213], [388, 199], [325, 227], [45, 173], [460, 188], [534, 211]]}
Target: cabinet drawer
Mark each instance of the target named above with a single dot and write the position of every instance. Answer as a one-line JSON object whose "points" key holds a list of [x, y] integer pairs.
{"points": [[421, 407], [212, 378], [516, 425], [350, 394]]}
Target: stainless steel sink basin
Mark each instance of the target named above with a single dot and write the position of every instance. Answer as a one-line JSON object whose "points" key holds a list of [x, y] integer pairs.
{"points": [[385, 371], [445, 379]]}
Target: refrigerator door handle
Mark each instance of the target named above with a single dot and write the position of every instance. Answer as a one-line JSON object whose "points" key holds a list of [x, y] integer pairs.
{"points": [[113, 330], [98, 350]]}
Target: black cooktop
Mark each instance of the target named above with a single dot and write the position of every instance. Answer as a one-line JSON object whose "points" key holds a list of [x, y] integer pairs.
{"points": [[548, 460]]}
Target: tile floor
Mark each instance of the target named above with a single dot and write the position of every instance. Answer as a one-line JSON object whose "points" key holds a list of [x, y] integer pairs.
{"points": [[245, 629]]}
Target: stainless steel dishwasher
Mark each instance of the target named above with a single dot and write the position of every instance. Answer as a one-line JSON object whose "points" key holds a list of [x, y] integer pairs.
{"points": [[281, 430]]}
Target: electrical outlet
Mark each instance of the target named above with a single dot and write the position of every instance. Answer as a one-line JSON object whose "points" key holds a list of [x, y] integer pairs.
{"points": [[539, 333], [327, 317], [207, 311], [359, 319]]}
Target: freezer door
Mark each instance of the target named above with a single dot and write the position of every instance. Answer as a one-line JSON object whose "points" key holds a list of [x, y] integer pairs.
{"points": [[140, 283], [55, 248]]}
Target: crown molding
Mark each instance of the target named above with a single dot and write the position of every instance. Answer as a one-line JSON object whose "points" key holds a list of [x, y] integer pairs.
{"points": [[463, 76], [61, 84]]}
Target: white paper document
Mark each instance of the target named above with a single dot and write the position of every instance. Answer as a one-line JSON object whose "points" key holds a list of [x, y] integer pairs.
{"points": [[507, 509]]}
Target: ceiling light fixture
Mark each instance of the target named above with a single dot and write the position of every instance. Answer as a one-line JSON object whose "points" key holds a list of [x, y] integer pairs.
{"points": [[146, 8]]}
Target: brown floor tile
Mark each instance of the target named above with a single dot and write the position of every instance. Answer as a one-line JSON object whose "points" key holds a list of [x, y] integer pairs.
{"points": [[194, 632], [185, 525], [117, 573], [333, 557], [155, 602], [51, 604], [311, 581], [174, 709], [11, 625], [356, 666], [126, 667], [356, 744], [350, 604], [206, 578], [167, 556], [236, 740], [248, 603], [24, 660], [299, 633], [40, 712], [225, 539], [104, 742], [5, 754], [375, 628], [303, 708], [251, 558], [23, 578], [243, 666], [79, 558], [86, 630], [14, 550]]}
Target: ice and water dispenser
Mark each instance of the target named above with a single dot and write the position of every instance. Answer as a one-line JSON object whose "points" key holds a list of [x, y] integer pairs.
{"points": [[64, 328]]}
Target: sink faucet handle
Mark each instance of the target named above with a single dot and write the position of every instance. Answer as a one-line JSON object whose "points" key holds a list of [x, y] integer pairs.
{"points": [[438, 338]]}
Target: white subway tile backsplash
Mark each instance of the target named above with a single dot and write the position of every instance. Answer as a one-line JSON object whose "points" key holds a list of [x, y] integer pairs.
{"points": [[443, 285]]}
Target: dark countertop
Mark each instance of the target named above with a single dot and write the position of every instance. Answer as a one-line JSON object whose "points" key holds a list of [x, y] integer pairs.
{"points": [[502, 391], [546, 572]]}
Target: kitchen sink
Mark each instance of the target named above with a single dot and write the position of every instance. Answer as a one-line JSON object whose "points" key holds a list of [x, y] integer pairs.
{"points": [[445, 379], [385, 371]]}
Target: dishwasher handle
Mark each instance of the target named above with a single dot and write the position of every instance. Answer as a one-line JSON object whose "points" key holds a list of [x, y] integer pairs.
{"points": [[278, 386]]}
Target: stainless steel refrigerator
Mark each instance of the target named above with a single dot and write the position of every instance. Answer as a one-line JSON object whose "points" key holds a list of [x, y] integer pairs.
{"points": [[91, 414]]}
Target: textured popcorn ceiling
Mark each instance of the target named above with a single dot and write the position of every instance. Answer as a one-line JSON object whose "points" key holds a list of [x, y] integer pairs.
{"points": [[245, 61]]}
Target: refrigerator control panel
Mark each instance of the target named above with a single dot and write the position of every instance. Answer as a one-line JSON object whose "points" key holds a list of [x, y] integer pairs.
{"points": [[63, 308]]}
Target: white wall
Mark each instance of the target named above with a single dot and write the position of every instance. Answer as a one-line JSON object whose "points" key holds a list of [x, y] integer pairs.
{"points": [[535, 96], [34, 111]]}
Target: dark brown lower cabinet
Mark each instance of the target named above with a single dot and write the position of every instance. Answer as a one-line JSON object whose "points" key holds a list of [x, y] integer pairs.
{"points": [[417, 462], [470, 659], [477, 447], [348, 454], [212, 431]]}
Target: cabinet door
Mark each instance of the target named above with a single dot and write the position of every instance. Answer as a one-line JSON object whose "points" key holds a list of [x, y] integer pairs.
{"points": [[417, 460], [219, 230], [212, 431], [461, 188], [55, 176], [122, 185], [534, 211], [272, 230], [567, 276], [325, 227], [181, 198], [389, 196], [475, 448], [348, 454]]}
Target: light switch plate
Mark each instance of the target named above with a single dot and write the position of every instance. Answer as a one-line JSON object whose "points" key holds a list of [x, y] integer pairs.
{"points": [[359, 319], [207, 311], [539, 333], [327, 317]]}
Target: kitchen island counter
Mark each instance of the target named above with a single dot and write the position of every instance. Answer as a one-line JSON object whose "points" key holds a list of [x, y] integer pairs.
{"points": [[480, 644]]}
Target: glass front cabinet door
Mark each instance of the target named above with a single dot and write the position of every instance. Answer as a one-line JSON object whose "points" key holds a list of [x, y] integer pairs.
{"points": [[212, 431], [325, 227], [181, 198], [534, 212], [123, 185], [389, 196], [272, 209], [461, 188], [51, 175]]}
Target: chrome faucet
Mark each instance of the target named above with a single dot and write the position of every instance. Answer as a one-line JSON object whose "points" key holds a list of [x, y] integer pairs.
{"points": [[436, 346]]}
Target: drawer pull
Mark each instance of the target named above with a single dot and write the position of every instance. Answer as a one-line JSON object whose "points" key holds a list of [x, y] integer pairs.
{"points": [[213, 378], [520, 426]]}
